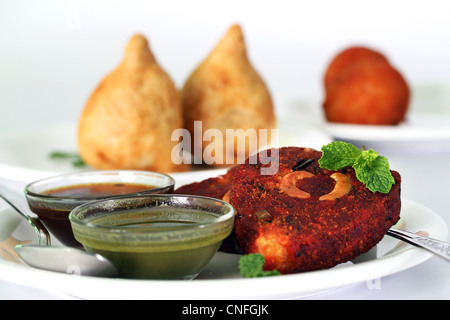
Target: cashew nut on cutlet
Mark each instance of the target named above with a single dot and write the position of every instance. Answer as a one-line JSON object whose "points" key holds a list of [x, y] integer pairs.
{"points": [[341, 188]]}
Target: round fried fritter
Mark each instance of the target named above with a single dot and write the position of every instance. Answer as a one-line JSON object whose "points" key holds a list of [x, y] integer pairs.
{"points": [[347, 59], [373, 93], [301, 234], [362, 87]]}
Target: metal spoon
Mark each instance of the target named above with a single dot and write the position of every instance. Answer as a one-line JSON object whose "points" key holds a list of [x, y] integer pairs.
{"points": [[44, 256], [66, 260], [18, 202], [437, 247]]}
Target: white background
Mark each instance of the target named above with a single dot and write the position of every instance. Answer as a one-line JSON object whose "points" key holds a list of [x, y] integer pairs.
{"points": [[54, 53]]}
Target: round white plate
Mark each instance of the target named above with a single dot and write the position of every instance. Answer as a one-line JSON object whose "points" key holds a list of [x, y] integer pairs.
{"points": [[417, 134], [221, 279], [26, 155]]}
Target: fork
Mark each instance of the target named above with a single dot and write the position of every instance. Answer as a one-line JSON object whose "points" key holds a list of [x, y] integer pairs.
{"points": [[7, 251]]}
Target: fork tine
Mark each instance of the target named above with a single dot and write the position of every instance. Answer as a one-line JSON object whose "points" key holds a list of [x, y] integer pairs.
{"points": [[7, 251], [8, 256]]}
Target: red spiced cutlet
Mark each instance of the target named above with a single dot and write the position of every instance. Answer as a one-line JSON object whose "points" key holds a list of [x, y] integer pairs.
{"points": [[216, 187], [304, 217]]}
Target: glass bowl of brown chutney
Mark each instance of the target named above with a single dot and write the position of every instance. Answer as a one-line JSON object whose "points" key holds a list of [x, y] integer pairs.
{"points": [[52, 199]]}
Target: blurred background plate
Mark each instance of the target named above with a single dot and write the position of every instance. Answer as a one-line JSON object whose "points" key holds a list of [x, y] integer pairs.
{"points": [[424, 133], [25, 155]]}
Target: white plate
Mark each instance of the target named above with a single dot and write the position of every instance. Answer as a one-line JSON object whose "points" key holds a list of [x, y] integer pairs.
{"points": [[417, 134], [25, 155], [220, 279]]}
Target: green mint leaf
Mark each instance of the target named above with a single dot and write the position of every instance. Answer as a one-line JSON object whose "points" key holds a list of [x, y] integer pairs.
{"points": [[73, 157], [251, 266], [370, 168], [78, 163], [366, 157], [337, 155], [374, 173], [60, 155]]}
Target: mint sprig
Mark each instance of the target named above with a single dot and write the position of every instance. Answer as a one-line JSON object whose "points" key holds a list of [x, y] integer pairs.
{"points": [[370, 168], [251, 266], [73, 157]]}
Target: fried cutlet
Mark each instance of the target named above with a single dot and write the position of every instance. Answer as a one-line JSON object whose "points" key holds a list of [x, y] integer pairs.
{"points": [[218, 188], [302, 217], [308, 219], [215, 187]]}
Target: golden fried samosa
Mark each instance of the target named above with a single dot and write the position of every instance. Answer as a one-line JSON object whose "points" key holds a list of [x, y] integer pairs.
{"points": [[226, 92], [128, 120]]}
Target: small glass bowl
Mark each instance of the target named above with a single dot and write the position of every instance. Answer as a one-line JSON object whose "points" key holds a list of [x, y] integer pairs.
{"points": [[154, 236], [53, 210]]}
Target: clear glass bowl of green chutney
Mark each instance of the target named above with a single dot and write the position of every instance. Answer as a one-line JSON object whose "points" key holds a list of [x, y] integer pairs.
{"points": [[161, 236]]}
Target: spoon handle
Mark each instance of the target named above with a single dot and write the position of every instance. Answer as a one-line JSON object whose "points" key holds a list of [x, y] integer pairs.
{"points": [[17, 201], [437, 247]]}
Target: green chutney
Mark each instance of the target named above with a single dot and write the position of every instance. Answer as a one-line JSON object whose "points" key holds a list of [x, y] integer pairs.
{"points": [[156, 243]]}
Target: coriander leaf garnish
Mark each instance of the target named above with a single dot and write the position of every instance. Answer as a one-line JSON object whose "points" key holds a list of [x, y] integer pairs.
{"points": [[251, 266], [73, 157], [370, 168]]}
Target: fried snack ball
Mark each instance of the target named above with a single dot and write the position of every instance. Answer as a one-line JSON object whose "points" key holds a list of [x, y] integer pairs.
{"points": [[128, 120], [362, 87], [348, 59], [226, 92]]}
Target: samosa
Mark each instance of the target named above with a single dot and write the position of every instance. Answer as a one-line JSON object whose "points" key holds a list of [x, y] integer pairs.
{"points": [[226, 92], [128, 120]]}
